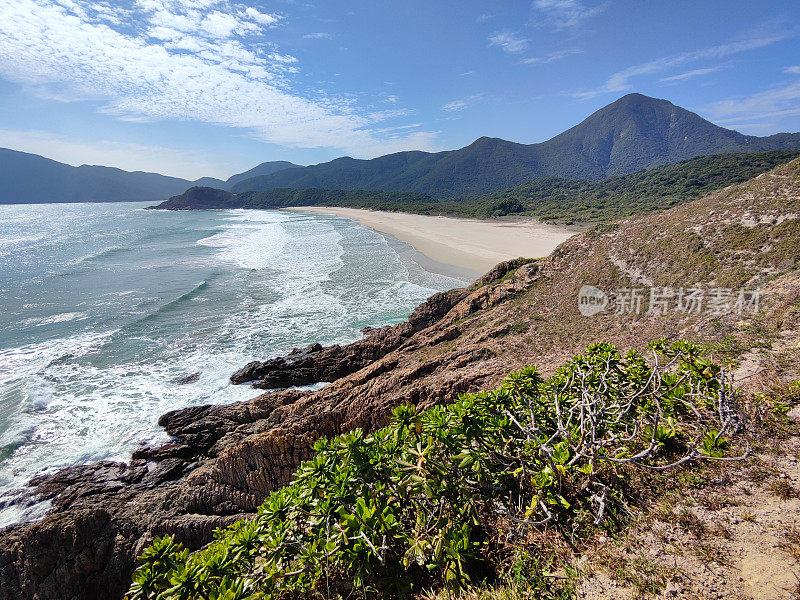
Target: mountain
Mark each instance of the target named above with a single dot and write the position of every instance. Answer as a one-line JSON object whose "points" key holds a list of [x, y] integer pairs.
{"points": [[265, 168], [202, 198], [636, 132], [208, 182], [30, 178], [550, 199]]}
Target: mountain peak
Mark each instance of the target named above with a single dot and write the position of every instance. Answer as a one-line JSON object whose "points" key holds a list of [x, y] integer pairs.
{"points": [[638, 97], [636, 104], [633, 133], [265, 168]]}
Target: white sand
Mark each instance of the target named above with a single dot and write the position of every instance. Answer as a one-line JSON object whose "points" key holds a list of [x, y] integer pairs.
{"points": [[470, 244]]}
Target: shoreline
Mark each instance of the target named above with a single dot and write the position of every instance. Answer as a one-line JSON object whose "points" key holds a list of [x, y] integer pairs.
{"points": [[422, 267], [471, 246]]}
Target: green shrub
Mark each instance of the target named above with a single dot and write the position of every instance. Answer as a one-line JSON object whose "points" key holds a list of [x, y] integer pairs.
{"points": [[423, 500]]}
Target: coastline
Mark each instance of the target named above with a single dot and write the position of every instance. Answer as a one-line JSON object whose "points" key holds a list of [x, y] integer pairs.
{"points": [[222, 460], [471, 246], [422, 268]]}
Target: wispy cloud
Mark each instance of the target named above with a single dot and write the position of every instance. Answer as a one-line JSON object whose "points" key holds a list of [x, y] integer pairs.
{"points": [[795, 70], [509, 41], [551, 57], [318, 36], [563, 14], [462, 103], [484, 18], [454, 105], [691, 74], [191, 60], [621, 80], [778, 101]]}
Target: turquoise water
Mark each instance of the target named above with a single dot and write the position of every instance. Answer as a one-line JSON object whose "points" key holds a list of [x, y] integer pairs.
{"points": [[104, 306]]}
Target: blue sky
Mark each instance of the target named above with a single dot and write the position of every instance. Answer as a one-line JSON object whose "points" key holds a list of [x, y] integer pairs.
{"points": [[213, 87]]}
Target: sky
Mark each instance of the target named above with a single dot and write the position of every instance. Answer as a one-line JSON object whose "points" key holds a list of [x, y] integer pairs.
{"points": [[196, 88]]}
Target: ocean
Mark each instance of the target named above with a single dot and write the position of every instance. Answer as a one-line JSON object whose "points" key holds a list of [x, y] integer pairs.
{"points": [[104, 308]]}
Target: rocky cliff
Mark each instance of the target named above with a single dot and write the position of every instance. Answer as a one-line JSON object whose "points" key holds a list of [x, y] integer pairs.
{"points": [[225, 459]]}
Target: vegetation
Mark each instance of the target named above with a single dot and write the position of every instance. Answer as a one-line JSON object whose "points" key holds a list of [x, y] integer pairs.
{"points": [[553, 200], [633, 133], [287, 198], [567, 201], [437, 498]]}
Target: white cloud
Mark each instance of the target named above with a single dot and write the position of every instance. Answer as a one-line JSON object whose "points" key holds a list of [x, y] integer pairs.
{"points": [[691, 74], [621, 80], [383, 115], [318, 36], [484, 18], [795, 70], [189, 60], [455, 105], [509, 42], [563, 14], [282, 58], [130, 157], [261, 18], [779, 101], [551, 57], [462, 103], [219, 25]]}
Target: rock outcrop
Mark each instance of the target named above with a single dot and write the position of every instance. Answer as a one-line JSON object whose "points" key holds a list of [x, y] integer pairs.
{"points": [[314, 363], [224, 460]]}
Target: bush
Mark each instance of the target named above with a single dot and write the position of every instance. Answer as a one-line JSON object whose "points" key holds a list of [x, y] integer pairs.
{"points": [[498, 207], [423, 500]]}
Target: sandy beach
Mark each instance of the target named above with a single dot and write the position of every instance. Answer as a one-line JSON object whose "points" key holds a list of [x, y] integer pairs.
{"points": [[471, 245]]}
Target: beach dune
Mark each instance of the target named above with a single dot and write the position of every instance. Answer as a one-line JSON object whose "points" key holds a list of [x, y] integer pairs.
{"points": [[470, 245]]}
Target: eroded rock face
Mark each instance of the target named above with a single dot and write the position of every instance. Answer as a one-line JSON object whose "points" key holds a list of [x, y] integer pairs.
{"points": [[225, 459]]}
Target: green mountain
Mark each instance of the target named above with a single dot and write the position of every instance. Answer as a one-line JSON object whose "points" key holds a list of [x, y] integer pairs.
{"points": [[575, 201], [203, 198], [636, 132], [265, 168], [30, 178], [550, 199]]}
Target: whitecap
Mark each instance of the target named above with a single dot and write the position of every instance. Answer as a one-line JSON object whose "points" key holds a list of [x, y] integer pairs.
{"points": [[249, 241], [58, 318]]}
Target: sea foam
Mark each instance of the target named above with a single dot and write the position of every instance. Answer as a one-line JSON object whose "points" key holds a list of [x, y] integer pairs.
{"points": [[100, 321]]}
